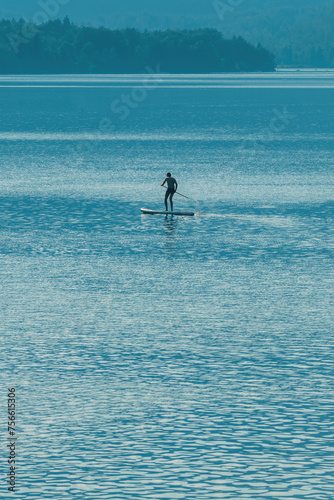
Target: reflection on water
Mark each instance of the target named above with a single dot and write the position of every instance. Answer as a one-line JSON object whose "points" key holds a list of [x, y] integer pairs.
{"points": [[170, 223], [170, 227]]}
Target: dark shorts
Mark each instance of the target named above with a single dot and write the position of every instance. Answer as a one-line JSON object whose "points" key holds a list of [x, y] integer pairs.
{"points": [[170, 193]]}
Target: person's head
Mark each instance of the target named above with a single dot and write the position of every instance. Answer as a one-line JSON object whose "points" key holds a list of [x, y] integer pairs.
{"points": [[169, 174]]}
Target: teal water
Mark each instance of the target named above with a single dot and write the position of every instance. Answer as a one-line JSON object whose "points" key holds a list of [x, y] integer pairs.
{"points": [[168, 358]]}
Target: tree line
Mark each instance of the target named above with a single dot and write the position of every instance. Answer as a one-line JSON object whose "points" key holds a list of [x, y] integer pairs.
{"points": [[62, 47]]}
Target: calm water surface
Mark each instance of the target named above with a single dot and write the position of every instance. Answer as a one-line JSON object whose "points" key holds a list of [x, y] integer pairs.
{"points": [[160, 357]]}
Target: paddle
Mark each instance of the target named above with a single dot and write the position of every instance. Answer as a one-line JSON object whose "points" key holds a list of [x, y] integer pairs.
{"points": [[184, 196]]}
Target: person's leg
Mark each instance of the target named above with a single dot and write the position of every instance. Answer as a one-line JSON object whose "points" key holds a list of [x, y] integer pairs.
{"points": [[171, 201], [166, 198]]}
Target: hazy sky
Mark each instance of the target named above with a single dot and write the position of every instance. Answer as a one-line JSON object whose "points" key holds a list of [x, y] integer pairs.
{"points": [[109, 12], [83, 8]]}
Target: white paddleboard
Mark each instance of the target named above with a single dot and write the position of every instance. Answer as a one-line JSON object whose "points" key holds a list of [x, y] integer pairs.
{"points": [[165, 212]]}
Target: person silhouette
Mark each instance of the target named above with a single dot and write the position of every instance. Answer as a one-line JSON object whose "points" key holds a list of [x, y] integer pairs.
{"points": [[171, 189]]}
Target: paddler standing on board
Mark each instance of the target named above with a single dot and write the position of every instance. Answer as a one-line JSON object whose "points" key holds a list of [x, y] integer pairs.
{"points": [[171, 189]]}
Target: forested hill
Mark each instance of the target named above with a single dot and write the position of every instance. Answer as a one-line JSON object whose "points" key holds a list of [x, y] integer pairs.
{"points": [[300, 33], [61, 47]]}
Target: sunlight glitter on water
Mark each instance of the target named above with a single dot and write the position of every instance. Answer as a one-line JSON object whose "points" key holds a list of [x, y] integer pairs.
{"points": [[169, 357]]}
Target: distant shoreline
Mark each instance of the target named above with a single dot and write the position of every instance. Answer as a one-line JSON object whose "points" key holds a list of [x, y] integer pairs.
{"points": [[60, 47], [186, 75], [238, 73]]}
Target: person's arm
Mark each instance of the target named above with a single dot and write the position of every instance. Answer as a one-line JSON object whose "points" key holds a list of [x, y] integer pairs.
{"points": [[163, 182], [175, 185]]}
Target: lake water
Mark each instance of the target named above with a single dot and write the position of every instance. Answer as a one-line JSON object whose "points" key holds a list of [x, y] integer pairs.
{"points": [[168, 358]]}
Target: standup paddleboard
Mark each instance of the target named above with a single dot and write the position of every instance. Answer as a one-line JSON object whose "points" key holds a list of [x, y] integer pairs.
{"points": [[165, 212]]}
